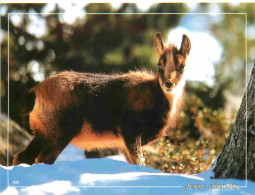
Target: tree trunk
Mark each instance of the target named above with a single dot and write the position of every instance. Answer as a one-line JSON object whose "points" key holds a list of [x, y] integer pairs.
{"points": [[231, 163]]}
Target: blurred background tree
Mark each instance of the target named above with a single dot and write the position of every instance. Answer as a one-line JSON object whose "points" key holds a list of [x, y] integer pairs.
{"points": [[43, 44]]}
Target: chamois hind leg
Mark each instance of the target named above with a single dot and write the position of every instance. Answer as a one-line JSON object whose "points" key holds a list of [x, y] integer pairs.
{"points": [[52, 147], [28, 155], [133, 145], [60, 131], [57, 138]]}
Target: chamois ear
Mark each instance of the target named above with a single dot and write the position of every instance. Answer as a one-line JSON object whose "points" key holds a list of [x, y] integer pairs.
{"points": [[158, 43], [185, 46]]}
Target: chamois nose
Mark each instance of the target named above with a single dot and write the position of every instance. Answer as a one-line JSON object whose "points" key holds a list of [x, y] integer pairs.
{"points": [[168, 84]]}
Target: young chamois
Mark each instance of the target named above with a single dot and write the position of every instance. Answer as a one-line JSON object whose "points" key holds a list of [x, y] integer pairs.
{"points": [[94, 111]]}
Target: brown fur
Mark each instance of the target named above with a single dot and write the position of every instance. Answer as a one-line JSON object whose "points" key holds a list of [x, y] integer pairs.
{"points": [[94, 111], [97, 141]]}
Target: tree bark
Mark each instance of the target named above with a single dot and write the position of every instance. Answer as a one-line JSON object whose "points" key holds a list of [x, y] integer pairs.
{"points": [[231, 163]]}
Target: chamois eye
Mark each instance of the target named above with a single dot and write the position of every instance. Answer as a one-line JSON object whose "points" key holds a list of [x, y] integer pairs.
{"points": [[181, 67]]}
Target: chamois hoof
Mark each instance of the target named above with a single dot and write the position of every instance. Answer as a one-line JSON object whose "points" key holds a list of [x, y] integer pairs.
{"points": [[48, 160], [19, 159]]}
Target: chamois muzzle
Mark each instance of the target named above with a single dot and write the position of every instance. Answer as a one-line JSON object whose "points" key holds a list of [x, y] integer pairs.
{"points": [[169, 85]]}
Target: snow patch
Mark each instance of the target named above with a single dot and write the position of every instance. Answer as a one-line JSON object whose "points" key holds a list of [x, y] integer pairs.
{"points": [[56, 187], [10, 190]]}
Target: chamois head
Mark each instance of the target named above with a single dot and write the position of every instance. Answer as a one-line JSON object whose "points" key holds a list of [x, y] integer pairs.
{"points": [[172, 62]]}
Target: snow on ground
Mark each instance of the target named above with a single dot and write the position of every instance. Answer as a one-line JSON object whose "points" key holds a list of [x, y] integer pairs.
{"points": [[72, 174]]}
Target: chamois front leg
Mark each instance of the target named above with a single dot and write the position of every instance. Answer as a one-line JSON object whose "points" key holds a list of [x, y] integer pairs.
{"points": [[125, 153], [134, 149]]}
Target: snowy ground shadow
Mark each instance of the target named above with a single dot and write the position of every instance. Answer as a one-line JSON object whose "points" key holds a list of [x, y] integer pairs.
{"points": [[105, 176]]}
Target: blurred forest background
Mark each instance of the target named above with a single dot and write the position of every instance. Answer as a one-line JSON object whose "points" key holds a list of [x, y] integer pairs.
{"points": [[43, 44]]}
